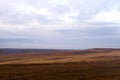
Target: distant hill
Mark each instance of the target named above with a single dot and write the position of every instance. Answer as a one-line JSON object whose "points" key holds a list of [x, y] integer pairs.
{"points": [[12, 51], [92, 50], [104, 49]]}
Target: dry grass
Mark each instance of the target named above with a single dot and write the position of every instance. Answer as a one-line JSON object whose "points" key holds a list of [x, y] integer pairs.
{"points": [[62, 71], [61, 66], [58, 57]]}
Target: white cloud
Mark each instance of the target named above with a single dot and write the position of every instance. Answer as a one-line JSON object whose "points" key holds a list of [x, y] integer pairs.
{"points": [[113, 16], [60, 21], [69, 17], [27, 9]]}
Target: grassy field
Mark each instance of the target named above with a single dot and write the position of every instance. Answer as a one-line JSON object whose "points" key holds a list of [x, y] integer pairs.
{"points": [[70, 65], [109, 70], [59, 57]]}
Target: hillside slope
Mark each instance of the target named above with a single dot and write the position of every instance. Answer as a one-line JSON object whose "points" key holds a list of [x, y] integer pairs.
{"points": [[90, 55]]}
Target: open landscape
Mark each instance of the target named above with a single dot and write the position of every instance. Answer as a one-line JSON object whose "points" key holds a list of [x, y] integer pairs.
{"points": [[90, 64], [59, 39]]}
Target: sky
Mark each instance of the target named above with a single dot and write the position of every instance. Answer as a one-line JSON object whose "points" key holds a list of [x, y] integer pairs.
{"points": [[60, 24]]}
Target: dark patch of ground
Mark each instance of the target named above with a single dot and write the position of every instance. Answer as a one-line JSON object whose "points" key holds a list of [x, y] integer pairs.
{"points": [[107, 70]]}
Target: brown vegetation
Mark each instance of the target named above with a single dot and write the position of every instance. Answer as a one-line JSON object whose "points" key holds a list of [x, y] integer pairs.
{"points": [[69, 65], [60, 57]]}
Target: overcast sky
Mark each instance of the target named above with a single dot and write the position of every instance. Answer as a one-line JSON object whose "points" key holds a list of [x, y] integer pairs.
{"points": [[60, 24]]}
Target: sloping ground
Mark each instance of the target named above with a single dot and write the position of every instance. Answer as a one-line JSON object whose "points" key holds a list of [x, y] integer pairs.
{"points": [[61, 57], [70, 65], [100, 70]]}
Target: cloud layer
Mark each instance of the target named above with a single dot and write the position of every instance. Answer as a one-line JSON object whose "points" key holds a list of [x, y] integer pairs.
{"points": [[67, 24]]}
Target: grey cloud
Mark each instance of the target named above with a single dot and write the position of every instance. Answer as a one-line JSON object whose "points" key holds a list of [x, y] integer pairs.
{"points": [[19, 40], [98, 34], [104, 32]]}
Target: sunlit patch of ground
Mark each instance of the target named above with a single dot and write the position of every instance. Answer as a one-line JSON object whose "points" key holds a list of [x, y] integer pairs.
{"points": [[58, 57]]}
